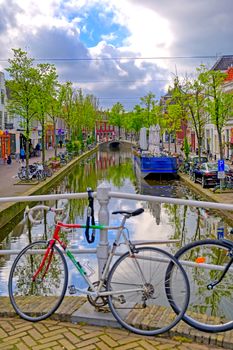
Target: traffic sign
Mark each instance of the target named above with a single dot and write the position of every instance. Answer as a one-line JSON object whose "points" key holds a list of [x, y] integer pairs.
{"points": [[220, 232], [221, 174], [221, 165]]}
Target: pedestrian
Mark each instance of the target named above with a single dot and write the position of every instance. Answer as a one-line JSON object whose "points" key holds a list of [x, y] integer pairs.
{"points": [[22, 154], [9, 161], [60, 143]]}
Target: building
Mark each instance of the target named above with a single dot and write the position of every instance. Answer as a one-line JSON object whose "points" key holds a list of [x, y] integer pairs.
{"points": [[184, 127], [7, 136], [224, 64], [104, 131]]}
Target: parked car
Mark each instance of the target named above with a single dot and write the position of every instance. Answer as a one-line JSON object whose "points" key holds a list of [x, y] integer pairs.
{"points": [[207, 173], [194, 161]]}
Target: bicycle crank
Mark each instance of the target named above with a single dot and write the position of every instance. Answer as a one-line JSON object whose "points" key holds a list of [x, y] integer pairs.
{"points": [[99, 301]]}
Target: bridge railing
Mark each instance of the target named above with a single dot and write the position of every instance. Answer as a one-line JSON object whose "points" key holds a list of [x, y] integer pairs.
{"points": [[103, 195]]}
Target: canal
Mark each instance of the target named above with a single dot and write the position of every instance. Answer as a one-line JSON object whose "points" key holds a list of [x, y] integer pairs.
{"points": [[159, 221]]}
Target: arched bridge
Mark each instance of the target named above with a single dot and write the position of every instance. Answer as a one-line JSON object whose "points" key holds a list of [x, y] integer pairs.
{"points": [[116, 144]]}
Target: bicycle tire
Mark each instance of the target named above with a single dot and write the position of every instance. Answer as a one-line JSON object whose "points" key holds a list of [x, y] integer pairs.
{"points": [[208, 310], [147, 312], [20, 175], [36, 301], [48, 172]]}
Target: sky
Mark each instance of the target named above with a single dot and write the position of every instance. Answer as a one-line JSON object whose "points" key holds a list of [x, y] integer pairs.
{"points": [[118, 50]]}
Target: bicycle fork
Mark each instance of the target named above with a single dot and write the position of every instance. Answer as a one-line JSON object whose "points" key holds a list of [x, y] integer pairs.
{"points": [[211, 285], [48, 256]]}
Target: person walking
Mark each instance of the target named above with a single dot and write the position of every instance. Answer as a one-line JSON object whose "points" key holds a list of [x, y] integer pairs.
{"points": [[9, 160], [22, 154], [60, 143]]}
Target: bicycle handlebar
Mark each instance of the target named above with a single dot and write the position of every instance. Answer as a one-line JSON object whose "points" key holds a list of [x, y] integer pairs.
{"points": [[29, 212]]}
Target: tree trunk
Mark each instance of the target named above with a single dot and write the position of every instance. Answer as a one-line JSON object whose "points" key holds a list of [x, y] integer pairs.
{"points": [[43, 141], [27, 148], [54, 135], [199, 144], [220, 144], [175, 145]]}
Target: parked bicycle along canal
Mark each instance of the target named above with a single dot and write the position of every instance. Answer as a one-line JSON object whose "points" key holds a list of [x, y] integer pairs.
{"points": [[159, 221]]}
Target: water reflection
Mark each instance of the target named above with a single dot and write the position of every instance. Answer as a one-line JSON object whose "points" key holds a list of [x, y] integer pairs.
{"points": [[159, 221]]}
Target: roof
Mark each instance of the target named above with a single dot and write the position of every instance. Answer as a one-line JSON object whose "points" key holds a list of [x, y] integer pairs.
{"points": [[223, 63]]}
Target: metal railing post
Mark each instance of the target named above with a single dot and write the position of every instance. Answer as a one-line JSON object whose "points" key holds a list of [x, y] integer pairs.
{"points": [[103, 245]]}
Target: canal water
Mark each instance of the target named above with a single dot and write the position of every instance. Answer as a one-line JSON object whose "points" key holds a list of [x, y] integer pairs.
{"points": [[159, 221]]}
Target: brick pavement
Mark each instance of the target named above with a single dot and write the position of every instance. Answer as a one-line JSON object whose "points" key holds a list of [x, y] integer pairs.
{"points": [[17, 334]]}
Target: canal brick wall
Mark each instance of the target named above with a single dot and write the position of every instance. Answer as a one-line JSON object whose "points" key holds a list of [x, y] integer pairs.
{"points": [[207, 194]]}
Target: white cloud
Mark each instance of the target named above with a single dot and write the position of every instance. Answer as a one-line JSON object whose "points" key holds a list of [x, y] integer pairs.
{"points": [[51, 28]]}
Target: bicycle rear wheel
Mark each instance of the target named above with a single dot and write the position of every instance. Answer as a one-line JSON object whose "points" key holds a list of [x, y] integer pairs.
{"points": [[139, 301], [209, 310], [39, 299]]}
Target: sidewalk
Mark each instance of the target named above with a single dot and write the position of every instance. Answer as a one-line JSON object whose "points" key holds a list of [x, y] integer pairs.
{"points": [[8, 173], [17, 334]]}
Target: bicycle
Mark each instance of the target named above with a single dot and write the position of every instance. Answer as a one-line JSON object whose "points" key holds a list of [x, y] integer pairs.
{"points": [[133, 288], [35, 170], [208, 264]]}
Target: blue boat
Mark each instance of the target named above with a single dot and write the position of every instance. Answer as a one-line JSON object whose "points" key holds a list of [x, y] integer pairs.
{"points": [[161, 164]]}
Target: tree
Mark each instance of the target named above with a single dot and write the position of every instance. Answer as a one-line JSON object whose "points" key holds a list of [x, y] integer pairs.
{"points": [[149, 103], [23, 92], [55, 111], [116, 116], [67, 98], [173, 121], [46, 86], [196, 102], [85, 111], [219, 105]]}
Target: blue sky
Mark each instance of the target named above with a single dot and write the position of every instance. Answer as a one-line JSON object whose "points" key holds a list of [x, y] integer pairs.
{"points": [[97, 27], [107, 35]]}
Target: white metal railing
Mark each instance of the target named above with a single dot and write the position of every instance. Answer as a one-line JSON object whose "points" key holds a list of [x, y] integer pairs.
{"points": [[103, 195]]}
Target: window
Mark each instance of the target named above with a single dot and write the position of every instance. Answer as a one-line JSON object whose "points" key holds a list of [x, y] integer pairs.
{"points": [[2, 97], [1, 121]]}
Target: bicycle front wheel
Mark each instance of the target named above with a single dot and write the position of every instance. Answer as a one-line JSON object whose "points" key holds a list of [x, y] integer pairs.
{"points": [[36, 298], [139, 300], [211, 303]]}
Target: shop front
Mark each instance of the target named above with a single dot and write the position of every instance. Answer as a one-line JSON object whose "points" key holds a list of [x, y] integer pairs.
{"points": [[5, 146]]}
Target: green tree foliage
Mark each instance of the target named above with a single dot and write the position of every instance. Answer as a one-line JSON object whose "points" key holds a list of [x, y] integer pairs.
{"points": [[55, 110], [148, 102], [85, 114], [46, 86], [218, 104], [195, 98], [23, 92], [173, 121], [68, 114], [116, 116]]}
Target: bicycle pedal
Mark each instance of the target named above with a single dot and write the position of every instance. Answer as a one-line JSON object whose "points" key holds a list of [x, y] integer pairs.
{"points": [[121, 299], [72, 289]]}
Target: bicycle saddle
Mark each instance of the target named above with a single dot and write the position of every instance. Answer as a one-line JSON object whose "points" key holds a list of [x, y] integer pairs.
{"points": [[130, 213]]}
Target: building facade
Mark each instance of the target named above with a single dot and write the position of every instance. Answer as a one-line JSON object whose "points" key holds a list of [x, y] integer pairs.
{"points": [[224, 64]]}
